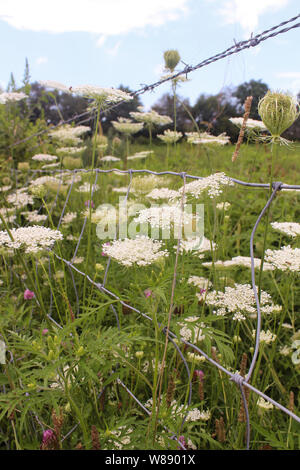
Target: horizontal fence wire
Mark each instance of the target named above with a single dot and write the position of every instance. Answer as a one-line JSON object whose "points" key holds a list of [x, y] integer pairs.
{"points": [[239, 380], [253, 41]]}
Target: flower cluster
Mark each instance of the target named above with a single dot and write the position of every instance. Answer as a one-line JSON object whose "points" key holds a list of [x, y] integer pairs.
{"points": [[20, 198], [239, 298], [34, 216], [151, 118], [197, 245], [163, 193], [140, 155], [265, 336], [170, 137], [285, 259], [101, 95], [12, 97], [250, 124], [288, 228], [127, 126], [205, 138], [43, 157], [191, 329], [212, 184], [244, 261], [141, 251], [32, 239], [164, 216]]}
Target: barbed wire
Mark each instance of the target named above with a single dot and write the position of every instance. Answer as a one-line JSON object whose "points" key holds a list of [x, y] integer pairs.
{"points": [[253, 41]]}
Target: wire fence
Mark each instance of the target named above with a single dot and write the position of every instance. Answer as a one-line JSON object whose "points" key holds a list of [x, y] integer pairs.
{"points": [[240, 381]]}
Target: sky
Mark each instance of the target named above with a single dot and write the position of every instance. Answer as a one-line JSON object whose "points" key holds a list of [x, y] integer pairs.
{"points": [[112, 42]]}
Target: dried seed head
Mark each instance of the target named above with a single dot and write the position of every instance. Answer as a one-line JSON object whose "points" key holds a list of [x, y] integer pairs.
{"points": [[172, 58], [278, 112]]}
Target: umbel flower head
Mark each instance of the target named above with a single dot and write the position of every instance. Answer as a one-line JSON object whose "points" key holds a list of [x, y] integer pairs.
{"points": [[172, 58], [278, 112]]}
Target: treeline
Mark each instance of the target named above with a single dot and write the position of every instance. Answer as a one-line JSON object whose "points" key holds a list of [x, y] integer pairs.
{"points": [[210, 112]]}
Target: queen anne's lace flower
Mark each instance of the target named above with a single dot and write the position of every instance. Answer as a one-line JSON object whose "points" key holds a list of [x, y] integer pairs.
{"points": [[170, 137], [285, 259], [240, 261], [151, 117], [265, 336], [289, 228], [32, 239], [20, 198], [126, 126], [163, 193], [141, 251], [213, 184], [12, 97], [103, 95], [239, 299], [250, 124], [43, 157]]}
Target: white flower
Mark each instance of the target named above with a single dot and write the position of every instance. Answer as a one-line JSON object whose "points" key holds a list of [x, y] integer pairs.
{"points": [[250, 124], [103, 95], [141, 251], [285, 259], [163, 193], [32, 239], [190, 330], [264, 404], [34, 216], [140, 155], [289, 228], [213, 184], [196, 245], [110, 158], [164, 216], [240, 261], [205, 138], [55, 85], [20, 198], [151, 117], [170, 137], [126, 126], [69, 217], [11, 97], [239, 299], [43, 157], [265, 336]]}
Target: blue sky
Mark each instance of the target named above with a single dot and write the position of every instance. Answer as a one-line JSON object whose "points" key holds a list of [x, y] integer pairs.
{"points": [[113, 42]]}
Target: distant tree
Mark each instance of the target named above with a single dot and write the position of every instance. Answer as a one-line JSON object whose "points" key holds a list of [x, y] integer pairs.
{"points": [[255, 88], [165, 106]]}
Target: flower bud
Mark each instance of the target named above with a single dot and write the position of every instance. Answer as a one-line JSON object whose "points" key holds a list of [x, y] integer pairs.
{"points": [[278, 112], [172, 58]]}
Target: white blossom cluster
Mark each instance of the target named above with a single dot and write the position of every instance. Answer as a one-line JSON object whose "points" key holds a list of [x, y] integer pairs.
{"points": [[20, 198], [109, 158], [69, 217], [250, 124], [140, 155], [266, 405], [69, 133], [144, 184], [43, 157], [127, 126], [163, 193], [196, 245], [191, 330], [288, 228], [3, 189], [200, 282], [170, 137], [265, 336], [165, 216], [10, 97], [141, 251], [70, 150], [120, 437], [240, 261], [50, 165], [86, 187], [213, 184], [285, 259], [205, 138], [41, 180], [32, 239], [54, 85], [224, 206], [181, 410], [34, 216], [238, 299], [103, 95], [151, 118]]}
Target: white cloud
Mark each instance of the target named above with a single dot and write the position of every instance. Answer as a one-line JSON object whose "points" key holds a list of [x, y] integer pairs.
{"points": [[105, 17], [41, 60], [291, 81], [247, 12], [115, 49], [101, 41]]}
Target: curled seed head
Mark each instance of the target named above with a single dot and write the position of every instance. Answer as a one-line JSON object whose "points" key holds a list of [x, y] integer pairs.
{"points": [[278, 112], [172, 58]]}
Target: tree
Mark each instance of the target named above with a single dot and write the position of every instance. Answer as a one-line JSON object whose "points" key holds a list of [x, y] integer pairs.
{"points": [[255, 88], [165, 106]]}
